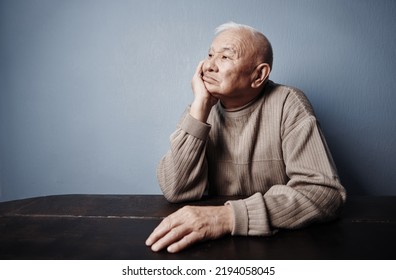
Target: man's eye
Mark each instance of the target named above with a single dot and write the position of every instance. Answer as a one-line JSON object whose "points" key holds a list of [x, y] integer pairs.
{"points": [[210, 55], [224, 57]]}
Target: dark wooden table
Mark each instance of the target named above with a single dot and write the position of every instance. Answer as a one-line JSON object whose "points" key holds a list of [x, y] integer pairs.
{"points": [[116, 226]]}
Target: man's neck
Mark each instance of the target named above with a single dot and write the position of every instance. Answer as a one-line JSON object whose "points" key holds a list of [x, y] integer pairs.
{"points": [[237, 104]]}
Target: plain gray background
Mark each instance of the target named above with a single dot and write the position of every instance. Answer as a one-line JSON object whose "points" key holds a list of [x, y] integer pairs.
{"points": [[91, 90]]}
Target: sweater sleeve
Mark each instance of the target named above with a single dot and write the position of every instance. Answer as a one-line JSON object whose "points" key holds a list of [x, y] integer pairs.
{"points": [[312, 194], [182, 172]]}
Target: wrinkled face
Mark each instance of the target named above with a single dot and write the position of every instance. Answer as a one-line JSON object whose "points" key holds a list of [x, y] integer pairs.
{"points": [[227, 71]]}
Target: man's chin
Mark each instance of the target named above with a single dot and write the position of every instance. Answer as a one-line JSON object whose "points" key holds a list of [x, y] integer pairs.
{"points": [[212, 88], [215, 93]]}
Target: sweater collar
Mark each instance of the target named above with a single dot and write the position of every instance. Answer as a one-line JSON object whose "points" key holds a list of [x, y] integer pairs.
{"points": [[247, 108]]}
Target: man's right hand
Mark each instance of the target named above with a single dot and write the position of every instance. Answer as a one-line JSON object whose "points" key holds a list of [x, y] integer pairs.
{"points": [[203, 100]]}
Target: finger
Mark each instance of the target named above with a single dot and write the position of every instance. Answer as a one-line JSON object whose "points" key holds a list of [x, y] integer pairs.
{"points": [[166, 225], [199, 71], [185, 242], [169, 238], [163, 228]]}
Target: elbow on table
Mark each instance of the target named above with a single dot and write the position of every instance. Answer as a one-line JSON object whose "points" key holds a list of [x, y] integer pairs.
{"points": [[175, 196], [172, 198], [176, 190], [333, 208]]}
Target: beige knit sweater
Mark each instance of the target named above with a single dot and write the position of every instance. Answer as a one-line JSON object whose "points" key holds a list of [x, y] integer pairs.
{"points": [[272, 150]]}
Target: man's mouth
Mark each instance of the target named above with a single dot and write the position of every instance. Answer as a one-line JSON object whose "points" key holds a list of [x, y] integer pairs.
{"points": [[209, 79]]}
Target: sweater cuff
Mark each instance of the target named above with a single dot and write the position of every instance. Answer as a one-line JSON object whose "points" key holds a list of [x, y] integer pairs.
{"points": [[194, 127], [250, 216]]}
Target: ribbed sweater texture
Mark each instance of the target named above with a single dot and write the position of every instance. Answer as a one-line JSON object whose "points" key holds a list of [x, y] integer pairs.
{"points": [[271, 151]]}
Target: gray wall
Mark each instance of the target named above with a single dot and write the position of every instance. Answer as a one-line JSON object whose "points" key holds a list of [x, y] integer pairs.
{"points": [[91, 90]]}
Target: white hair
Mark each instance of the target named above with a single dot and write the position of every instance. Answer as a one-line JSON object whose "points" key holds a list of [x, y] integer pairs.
{"points": [[264, 47], [232, 26]]}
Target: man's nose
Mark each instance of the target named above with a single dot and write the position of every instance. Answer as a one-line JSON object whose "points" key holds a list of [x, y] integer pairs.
{"points": [[210, 65]]}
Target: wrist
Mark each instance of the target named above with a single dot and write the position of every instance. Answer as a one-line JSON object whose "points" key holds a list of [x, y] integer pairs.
{"points": [[200, 110], [228, 218]]}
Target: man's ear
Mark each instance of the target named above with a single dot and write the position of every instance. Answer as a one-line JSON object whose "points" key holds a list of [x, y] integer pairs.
{"points": [[260, 75]]}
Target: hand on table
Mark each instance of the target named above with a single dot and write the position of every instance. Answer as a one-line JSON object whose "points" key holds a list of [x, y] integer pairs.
{"points": [[190, 225]]}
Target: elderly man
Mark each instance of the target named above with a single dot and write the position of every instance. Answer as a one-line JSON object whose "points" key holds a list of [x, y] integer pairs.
{"points": [[245, 135]]}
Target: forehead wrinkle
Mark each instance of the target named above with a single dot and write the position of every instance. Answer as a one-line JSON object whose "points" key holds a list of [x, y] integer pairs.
{"points": [[239, 41], [231, 48]]}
